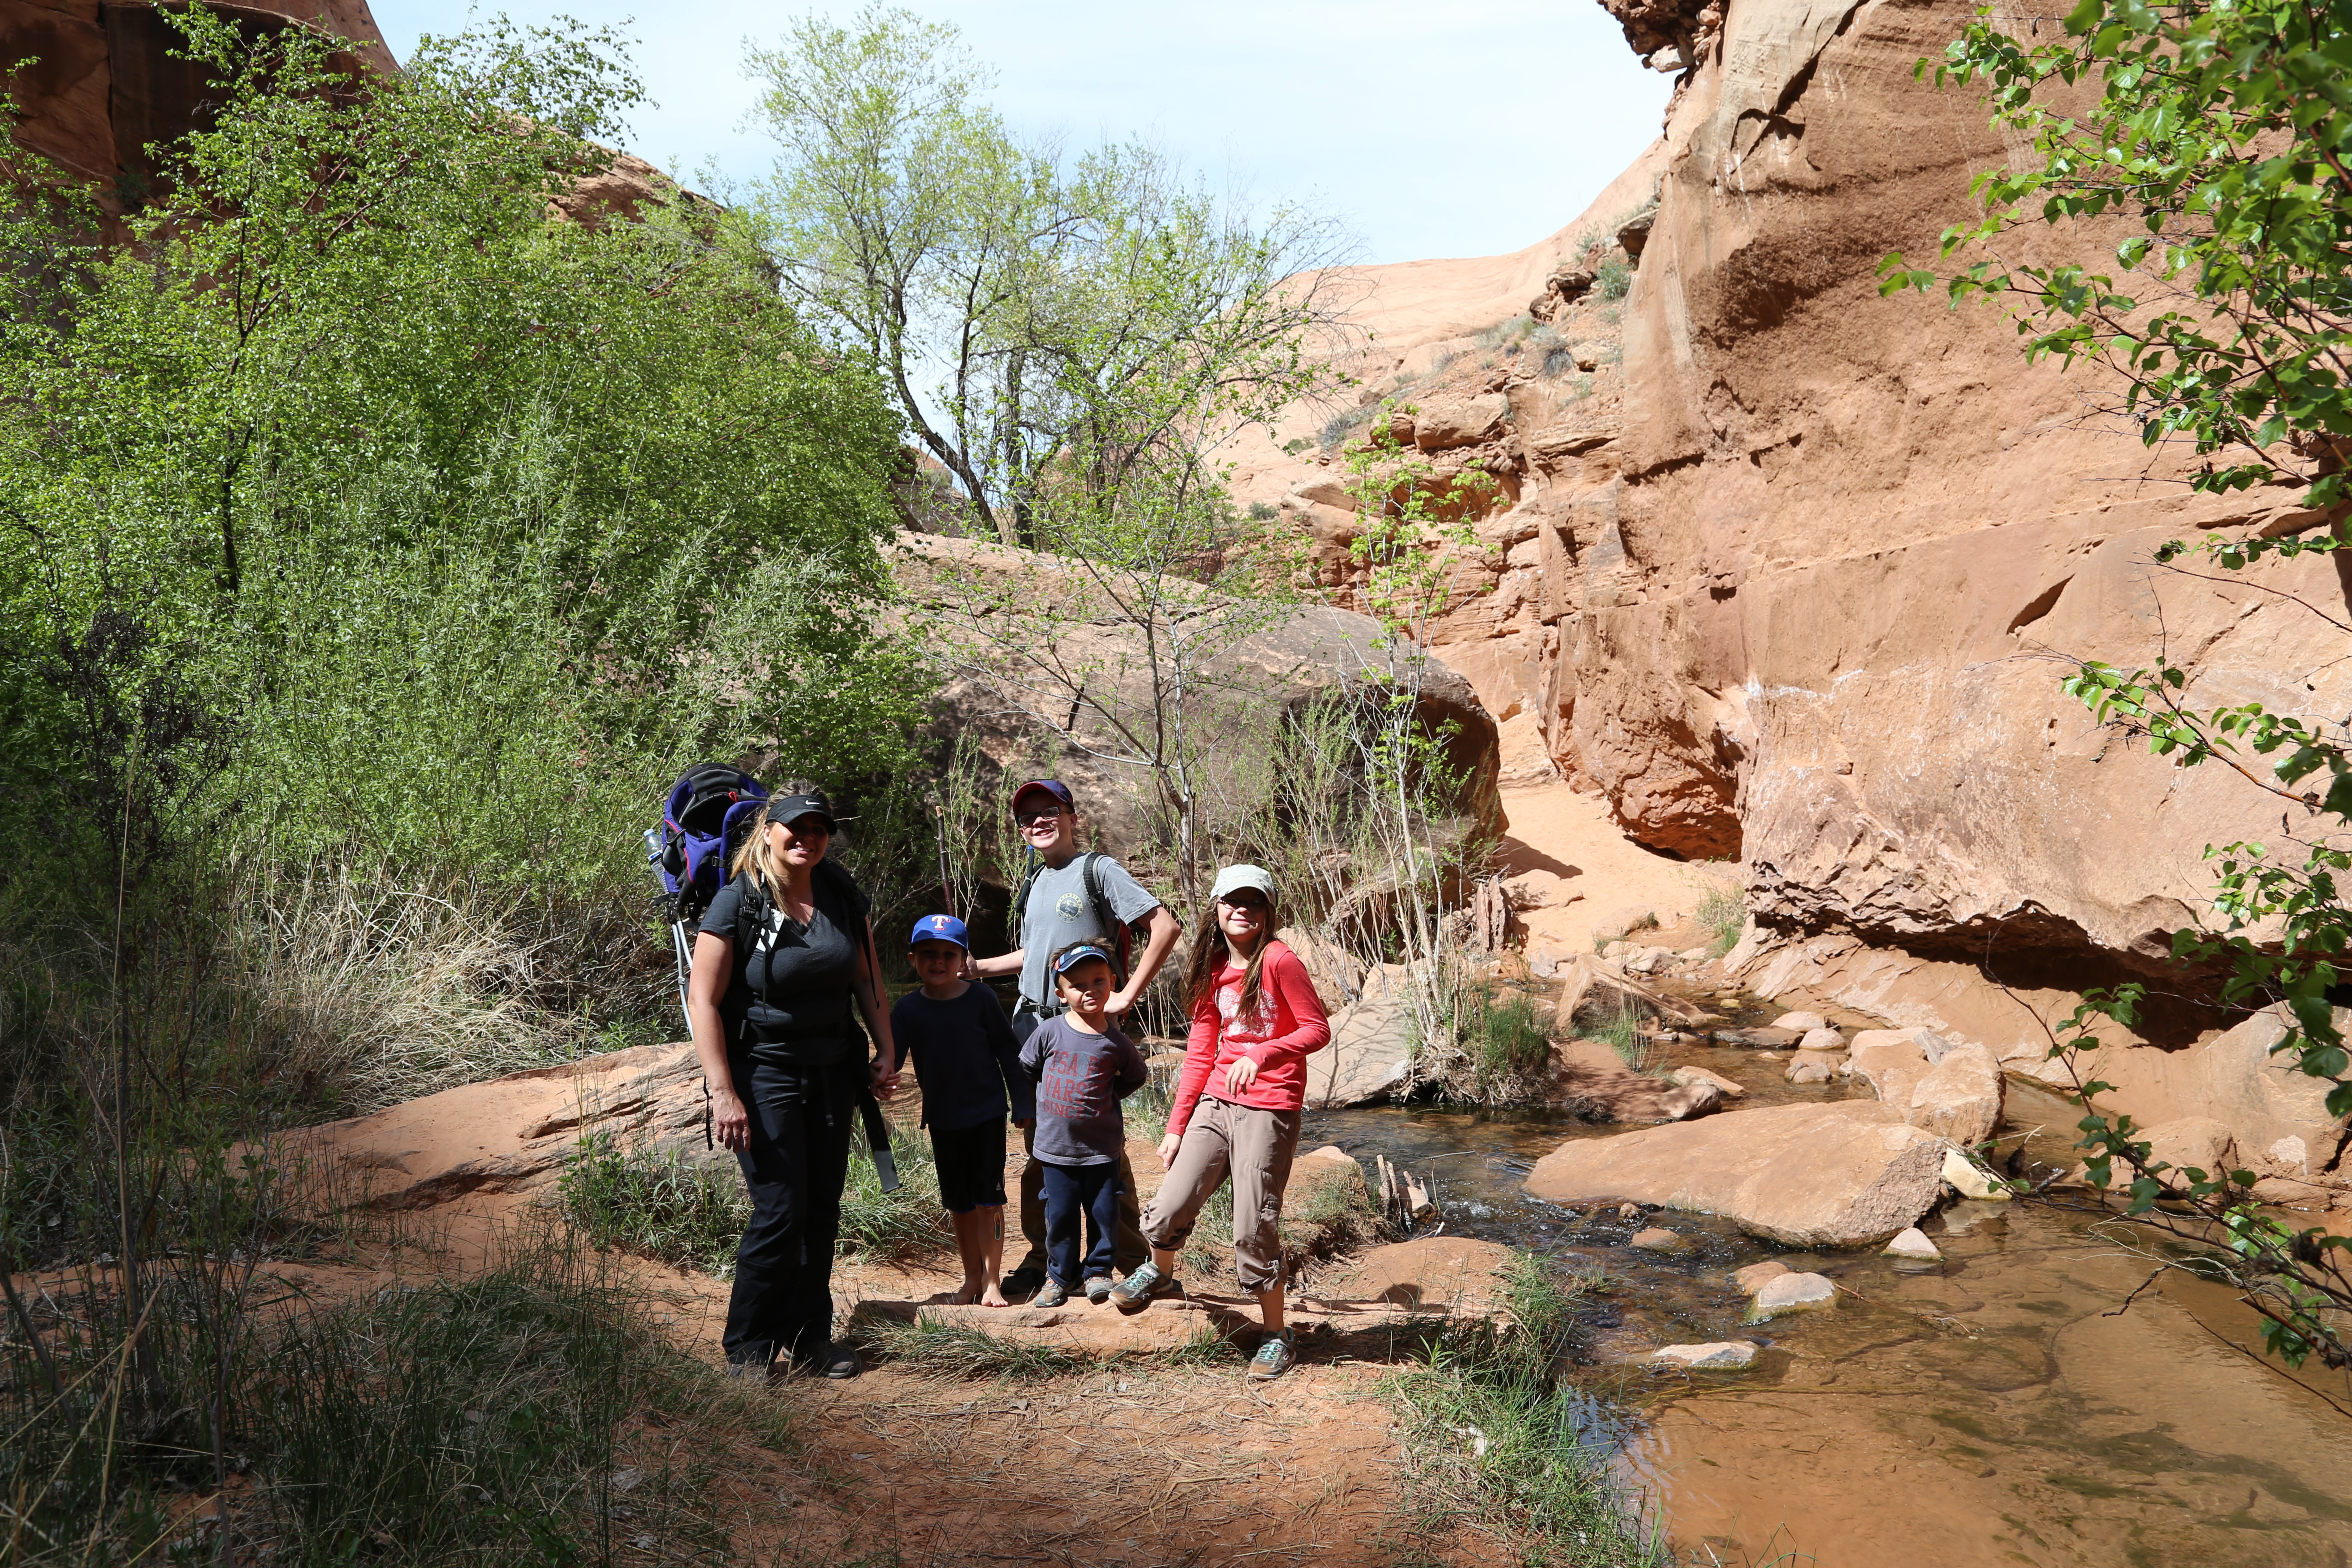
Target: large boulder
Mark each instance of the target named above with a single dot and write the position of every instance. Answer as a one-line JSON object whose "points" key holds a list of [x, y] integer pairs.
{"points": [[1036, 662], [1959, 1097], [1848, 1174], [1592, 1079], [1474, 419], [1954, 1090], [1371, 1051]]}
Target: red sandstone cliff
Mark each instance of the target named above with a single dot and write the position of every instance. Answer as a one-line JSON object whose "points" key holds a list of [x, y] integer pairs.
{"points": [[1788, 586], [103, 83]]}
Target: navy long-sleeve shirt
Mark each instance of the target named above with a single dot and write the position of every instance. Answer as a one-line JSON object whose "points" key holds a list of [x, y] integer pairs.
{"points": [[964, 1056]]}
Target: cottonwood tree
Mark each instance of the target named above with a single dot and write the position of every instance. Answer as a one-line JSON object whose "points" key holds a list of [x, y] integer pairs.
{"points": [[2224, 132], [1048, 323]]}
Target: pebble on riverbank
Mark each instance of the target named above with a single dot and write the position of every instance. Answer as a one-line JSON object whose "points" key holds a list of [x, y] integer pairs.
{"points": [[1790, 1294], [1657, 1240], [1913, 1243]]}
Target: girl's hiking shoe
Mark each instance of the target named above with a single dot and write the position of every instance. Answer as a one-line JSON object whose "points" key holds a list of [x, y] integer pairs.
{"points": [[1273, 1357], [1052, 1293], [1137, 1289], [1098, 1289]]}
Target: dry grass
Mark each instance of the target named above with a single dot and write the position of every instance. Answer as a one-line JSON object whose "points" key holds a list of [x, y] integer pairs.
{"points": [[371, 995]]}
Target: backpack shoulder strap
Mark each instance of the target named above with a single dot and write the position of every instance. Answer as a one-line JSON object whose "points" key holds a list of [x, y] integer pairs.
{"points": [[837, 874], [1105, 916], [1020, 909], [751, 913]]}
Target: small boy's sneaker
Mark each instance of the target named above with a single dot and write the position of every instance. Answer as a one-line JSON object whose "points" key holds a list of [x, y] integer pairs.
{"points": [[1098, 1289], [1275, 1356], [1052, 1293], [1137, 1289]]}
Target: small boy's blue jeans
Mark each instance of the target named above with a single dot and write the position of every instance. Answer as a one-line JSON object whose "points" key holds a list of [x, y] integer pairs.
{"points": [[1072, 1191]]}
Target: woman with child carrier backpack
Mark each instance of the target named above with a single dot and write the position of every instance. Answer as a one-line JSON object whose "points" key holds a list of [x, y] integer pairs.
{"points": [[784, 951]]}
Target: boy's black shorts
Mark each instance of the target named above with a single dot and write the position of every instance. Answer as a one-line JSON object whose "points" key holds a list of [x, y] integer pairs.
{"points": [[971, 1161]]}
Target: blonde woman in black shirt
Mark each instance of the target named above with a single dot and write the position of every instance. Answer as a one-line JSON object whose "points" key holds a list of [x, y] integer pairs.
{"points": [[785, 950]]}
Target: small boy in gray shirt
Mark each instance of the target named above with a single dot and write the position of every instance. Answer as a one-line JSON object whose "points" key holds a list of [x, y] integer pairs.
{"points": [[1084, 1067]]}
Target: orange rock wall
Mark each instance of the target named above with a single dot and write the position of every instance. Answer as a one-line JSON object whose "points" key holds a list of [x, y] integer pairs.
{"points": [[1857, 531]]}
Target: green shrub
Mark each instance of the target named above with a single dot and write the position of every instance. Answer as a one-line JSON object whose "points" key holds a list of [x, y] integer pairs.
{"points": [[1614, 277], [659, 1205], [1346, 422], [1723, 913], [1507, 1035], [476, 1420], [1492, 1435]]}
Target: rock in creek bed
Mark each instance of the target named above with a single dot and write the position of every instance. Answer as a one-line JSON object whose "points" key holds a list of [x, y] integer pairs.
{"points": [[1851, 1173]]}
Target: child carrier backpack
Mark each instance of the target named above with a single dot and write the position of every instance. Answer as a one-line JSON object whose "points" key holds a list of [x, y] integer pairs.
{"points": [[702, 824]]}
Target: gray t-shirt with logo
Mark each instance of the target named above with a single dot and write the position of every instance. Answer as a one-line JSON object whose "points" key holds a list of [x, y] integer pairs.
{"points": [[1059, 913]]}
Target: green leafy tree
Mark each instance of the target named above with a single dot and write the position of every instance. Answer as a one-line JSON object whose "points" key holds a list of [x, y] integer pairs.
{"points": [[2218, 138], [1051, 327], [453, 524]]}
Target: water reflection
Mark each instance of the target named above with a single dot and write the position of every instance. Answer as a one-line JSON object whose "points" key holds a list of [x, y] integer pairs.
{"points": [[1992, 1408]]}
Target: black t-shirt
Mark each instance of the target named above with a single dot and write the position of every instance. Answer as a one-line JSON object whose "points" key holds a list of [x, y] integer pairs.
{"points": [[789, 998]]}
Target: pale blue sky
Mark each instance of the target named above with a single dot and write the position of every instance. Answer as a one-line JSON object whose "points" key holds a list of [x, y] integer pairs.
{"points": [[1467, 128]]}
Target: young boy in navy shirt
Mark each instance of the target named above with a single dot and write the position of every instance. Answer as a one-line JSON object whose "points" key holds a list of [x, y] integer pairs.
{"points": [[1085, 1066], [969, 1065]]}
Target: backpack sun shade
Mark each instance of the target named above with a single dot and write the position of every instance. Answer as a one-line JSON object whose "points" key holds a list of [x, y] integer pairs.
{"points": [[704, 819]]}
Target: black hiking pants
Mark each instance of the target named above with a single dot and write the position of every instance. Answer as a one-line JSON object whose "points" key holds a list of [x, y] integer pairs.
{"points": [[795, 1167]]}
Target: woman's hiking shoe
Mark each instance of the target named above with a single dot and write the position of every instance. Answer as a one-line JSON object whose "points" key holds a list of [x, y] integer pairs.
{"points": [[1021, 1282], [836, 1360], [1098, 1289], [1052, 1293], [1275, 1356], [1137, 1288]]}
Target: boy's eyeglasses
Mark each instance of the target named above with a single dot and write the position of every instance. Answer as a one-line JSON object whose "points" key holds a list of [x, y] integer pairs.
{"points": [[1032, 818]]}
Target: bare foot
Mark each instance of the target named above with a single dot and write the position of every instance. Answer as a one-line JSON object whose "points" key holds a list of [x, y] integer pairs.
{"points": [[993, 1297], [964, 1296]]}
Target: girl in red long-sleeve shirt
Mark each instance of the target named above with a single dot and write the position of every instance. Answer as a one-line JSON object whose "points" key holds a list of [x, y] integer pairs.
{"points": [[1256, 1020]]}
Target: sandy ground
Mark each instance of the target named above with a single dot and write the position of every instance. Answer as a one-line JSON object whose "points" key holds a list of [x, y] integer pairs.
{"points": [[1556, 829]]}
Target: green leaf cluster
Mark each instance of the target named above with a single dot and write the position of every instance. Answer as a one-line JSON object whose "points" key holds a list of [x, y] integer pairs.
{"points": [[1060, 331]]}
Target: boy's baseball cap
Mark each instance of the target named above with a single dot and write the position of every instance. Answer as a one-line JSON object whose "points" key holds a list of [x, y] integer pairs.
{"points": [[939, 927], [1054, 787], [1078, 955], [1234, 879]]}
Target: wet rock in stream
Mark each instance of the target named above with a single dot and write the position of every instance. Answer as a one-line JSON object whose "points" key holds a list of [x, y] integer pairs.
{"points": [[1844, 1175]]}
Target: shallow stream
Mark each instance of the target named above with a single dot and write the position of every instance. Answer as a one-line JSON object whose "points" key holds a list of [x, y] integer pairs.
{"points": [[1993, 1407]]}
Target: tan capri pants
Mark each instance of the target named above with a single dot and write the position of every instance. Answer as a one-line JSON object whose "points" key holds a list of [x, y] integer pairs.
{"points": [[1256, 1147]]}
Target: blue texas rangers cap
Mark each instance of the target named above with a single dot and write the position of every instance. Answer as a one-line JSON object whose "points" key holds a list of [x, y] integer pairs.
{"points": [[939, 927]]}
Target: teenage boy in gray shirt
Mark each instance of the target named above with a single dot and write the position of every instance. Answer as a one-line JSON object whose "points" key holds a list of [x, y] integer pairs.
{"points": [[1056, 913]]}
